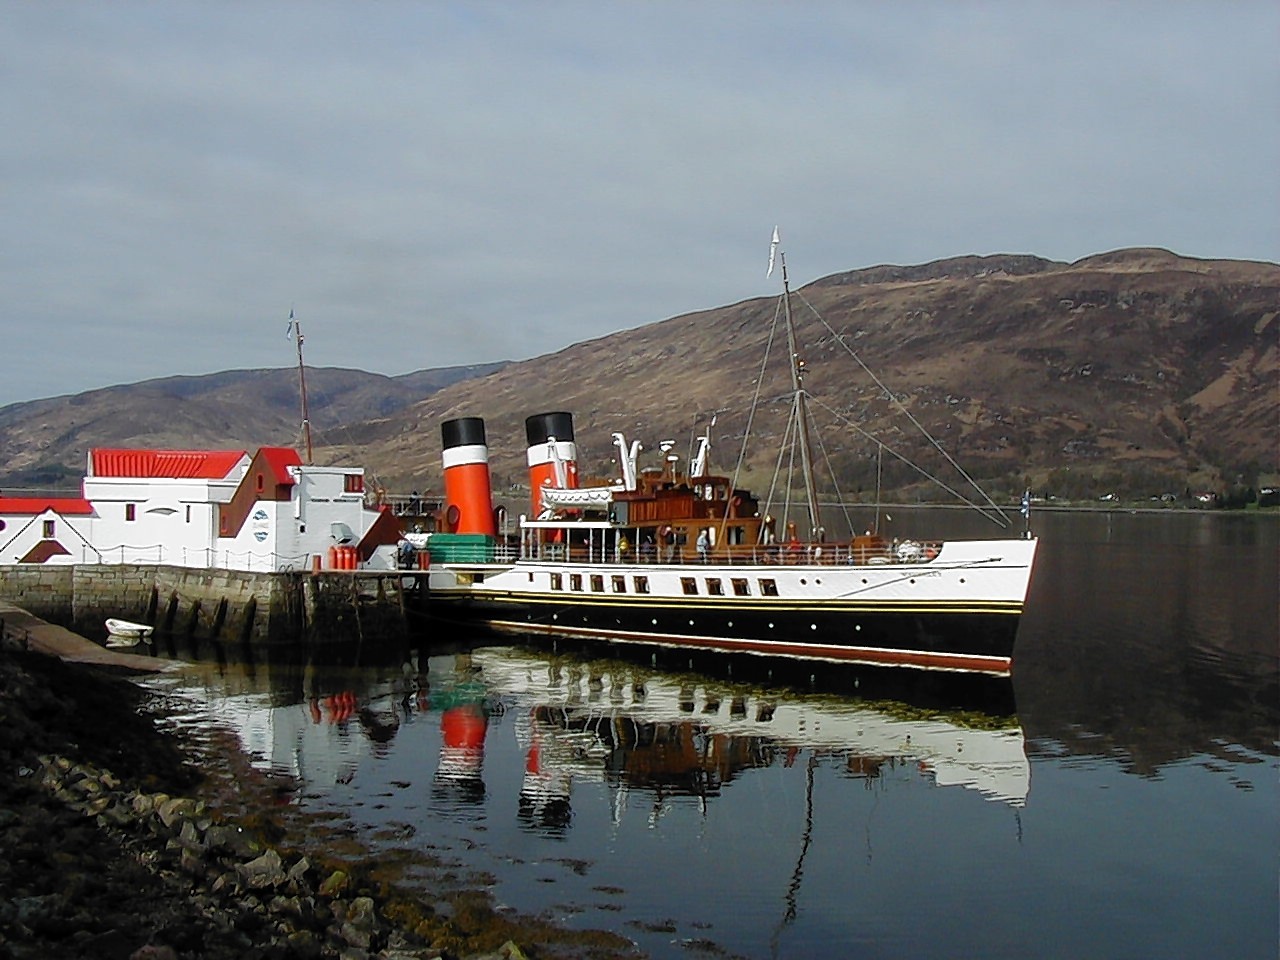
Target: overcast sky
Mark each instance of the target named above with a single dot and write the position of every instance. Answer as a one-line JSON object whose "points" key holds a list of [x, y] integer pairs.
{"points": [[430, 184]]}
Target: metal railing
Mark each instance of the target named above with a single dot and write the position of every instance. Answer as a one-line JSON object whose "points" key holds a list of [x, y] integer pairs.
{"points": [[779, 554], [200, 558]]}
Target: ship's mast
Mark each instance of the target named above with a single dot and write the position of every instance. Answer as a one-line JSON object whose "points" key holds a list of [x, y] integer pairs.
{"points": [[296, 329], [801, 407]]}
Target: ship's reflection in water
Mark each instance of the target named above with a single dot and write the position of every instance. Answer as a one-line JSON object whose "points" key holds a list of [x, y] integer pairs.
{"points": [[631, 726], [671, 735]]}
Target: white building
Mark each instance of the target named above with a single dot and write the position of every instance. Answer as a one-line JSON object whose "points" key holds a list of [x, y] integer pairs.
{"points": [[202, 508]]}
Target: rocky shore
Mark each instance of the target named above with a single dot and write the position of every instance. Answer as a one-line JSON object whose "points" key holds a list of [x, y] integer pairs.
{"points": [[121, 839]]}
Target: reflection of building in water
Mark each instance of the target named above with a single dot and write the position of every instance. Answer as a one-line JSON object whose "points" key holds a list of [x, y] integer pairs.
{"points": [[316, 737], [681, 736]]}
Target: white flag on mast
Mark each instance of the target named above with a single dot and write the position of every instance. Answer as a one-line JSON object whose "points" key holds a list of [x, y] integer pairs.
{"points": [[773, 249]]}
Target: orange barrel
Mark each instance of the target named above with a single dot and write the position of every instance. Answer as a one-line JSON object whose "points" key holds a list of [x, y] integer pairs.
{"points": [[424, 560], [553, 456], [333, 558], [467, 495], [315, 563]]}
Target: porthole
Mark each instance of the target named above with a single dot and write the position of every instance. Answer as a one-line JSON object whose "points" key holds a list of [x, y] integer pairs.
{"points": [[962, 579], [813, 626], [857, 626]]}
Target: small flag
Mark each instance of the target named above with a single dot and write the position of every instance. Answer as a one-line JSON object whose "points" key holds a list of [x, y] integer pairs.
{"points": [[288, 331], [1026, 503], [773, 249]]}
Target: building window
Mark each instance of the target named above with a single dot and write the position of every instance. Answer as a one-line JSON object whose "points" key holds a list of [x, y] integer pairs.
{"points": [[641, 584], [619, 584], [49, 529], [768, 588], [689, 585], [188, 513], [715, 587], [353, 483], [130, 511], [740, 588], [575, 581], [557, 581], [597, 583]]}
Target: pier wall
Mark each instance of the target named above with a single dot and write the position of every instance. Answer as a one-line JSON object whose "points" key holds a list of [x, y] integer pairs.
{"points": [[227, 606]]}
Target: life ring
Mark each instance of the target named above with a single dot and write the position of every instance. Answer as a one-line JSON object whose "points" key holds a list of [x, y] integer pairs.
{"points": [[908, 551]]}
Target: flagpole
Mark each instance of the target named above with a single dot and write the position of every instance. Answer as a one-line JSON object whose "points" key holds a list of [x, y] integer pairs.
{"points": [[296, 327]]}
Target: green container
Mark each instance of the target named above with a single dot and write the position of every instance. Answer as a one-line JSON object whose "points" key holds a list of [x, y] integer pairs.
{"points": [[461, 547]]}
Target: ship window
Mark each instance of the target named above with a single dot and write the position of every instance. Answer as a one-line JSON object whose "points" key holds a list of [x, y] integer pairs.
{"points": [[575, 581], [189, 515], [768, 588], [715, 587], [557, 581], [353, 483], [48, 529], [262, 482], [619, 584], [641, 584], [689, 585], [740, 587], [130, 511], [597, 583]]}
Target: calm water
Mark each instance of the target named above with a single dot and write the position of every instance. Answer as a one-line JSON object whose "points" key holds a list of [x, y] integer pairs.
{"points": [[1117, 798]]}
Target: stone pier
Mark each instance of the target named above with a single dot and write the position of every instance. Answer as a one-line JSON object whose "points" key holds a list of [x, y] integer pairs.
{"points": [[231, 607]]}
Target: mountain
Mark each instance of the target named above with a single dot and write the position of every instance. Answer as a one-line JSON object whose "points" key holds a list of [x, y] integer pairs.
{"points": [[45, 442], [1137, 371]]}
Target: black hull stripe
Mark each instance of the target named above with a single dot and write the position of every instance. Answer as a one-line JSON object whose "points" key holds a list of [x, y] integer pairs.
{"points": [[818, 607], [947, 639], [873, 656]]}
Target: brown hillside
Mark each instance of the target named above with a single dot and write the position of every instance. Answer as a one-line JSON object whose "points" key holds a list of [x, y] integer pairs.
{"points": [[1136, 369], [45, 442]]}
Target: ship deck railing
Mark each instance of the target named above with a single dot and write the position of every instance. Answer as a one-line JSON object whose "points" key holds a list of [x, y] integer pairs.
{"points": [[775, 554]]}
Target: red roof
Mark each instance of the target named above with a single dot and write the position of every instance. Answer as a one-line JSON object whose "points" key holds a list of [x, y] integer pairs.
{"points": [[37, 505], [280, 460], [171, 464]]}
